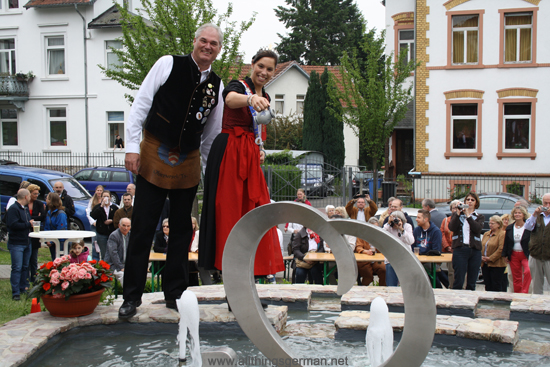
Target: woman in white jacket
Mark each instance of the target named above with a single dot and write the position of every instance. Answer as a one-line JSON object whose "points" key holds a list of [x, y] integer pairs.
{"points": [[398, 227]]}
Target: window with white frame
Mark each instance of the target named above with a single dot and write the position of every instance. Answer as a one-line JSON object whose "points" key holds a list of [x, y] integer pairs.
{"points": [[115, 122], [8, 119], [465, 39], [300, 103], [518, 35], [57, 119], [55, 55], [517, 126], [464, 127], [112, 58], [7, 5], [406, 44], [7, 56], [279, 104]]}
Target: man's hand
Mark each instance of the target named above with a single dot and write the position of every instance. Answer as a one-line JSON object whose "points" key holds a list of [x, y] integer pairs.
{"points": [[31, 222], [368, 252], [538, 211], [131, 162], [108, 221], [367, 198]]}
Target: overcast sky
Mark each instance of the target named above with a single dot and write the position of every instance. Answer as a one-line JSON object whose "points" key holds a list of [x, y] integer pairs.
{"points": [[263, 32]]}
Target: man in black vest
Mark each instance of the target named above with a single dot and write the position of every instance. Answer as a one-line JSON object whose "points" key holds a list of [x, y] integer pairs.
{"points": [[179, 106]]}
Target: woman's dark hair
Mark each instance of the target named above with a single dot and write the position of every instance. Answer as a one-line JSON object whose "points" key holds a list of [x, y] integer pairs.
{"points": [[474, 195], [265, 53]]}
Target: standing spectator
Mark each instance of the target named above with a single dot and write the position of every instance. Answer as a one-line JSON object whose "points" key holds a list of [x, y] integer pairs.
{"points": [[37, 211], [386, 213], [13, 199], [95, 200], [539, 244], [66, 199], [19, 225], [493, 263], [307, 241], [516, 250], [356, 208], [435, 215], [131, 189], [505, 220], [300, 198], [400, 229], [118, 143], [329, 210], [125, 211], [117, 246], [56, 220], [395, 205], [447, 241], [466, 225], [103, 214], [340, 210]]}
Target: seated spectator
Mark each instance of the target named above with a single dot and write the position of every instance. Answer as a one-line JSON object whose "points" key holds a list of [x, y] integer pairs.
{"points": [[117, 246], [329, 210], [307, 241], [79, 252], [300, 198], [125, 211], [386, 213], [342, 211], [367, 270], [395, 205], [398, 227], [427, 236]]}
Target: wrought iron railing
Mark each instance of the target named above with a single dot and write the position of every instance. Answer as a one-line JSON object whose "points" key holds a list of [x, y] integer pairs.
{"points": [[13, 86]]}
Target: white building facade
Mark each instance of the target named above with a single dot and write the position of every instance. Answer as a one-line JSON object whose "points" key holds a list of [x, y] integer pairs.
{"points": [[481, 88], [48, 39]]}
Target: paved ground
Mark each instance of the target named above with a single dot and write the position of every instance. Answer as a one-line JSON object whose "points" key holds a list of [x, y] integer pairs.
{"points": [[5, 271]]}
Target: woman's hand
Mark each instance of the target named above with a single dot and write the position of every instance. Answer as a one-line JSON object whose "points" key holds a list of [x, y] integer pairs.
{"points": [[259, 103], [485, 259], [368, 252], [262, 156]]}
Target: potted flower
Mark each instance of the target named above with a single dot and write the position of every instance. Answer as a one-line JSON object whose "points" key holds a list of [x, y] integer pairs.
{"points": [[71, 290]]}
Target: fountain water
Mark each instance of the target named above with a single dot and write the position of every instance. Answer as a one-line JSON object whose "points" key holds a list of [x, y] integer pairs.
{"points": [[379, 339], [188, 307]]}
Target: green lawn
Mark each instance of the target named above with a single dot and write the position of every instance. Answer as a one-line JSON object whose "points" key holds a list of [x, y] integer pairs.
{"points": [[5, 259], [11, 309]]}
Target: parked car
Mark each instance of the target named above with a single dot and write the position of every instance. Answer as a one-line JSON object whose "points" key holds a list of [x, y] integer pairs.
{"points": [[5, 162], [114, 179], [12, 175], [492, 203], [315, 181], [366, 177]]}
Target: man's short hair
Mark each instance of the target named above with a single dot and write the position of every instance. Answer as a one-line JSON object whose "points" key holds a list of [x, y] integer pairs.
{"points": [[125, 218], [425, 214], [399, 200], [22, 193], [429, 203], [210, 25], [127, 194]]}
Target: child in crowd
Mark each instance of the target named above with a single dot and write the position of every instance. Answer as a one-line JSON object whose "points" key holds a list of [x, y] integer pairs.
{"points": [[79, 252]]}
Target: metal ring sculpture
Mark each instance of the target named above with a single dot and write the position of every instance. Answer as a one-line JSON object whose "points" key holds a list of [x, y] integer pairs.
{"points": [[238, 265]]}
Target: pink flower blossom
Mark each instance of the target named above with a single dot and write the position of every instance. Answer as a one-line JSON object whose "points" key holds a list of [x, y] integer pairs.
{"points": [[64, 285], [88, 276]]}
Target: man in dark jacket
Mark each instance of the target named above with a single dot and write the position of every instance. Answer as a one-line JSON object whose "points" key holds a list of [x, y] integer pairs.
{"points": [[177, 110], [303, 242], [66, 199], [104, 214], [435, 215], [19, 224], [427, 236], [116, 248]]}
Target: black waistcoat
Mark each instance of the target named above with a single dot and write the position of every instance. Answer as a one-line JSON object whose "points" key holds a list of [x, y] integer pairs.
{"points": [[182, 105]]}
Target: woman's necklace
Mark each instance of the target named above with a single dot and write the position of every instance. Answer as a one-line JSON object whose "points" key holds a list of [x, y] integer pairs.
{"points": [[518, 227]]}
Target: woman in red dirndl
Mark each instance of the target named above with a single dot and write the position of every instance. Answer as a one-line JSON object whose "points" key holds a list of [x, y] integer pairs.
{"points": [[234, 181]]}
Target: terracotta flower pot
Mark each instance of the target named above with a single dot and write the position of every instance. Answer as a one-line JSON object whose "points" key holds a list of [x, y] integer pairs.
{"points": [[76, 305]]}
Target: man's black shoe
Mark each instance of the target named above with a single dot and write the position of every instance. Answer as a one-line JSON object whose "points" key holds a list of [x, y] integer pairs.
{"points": [[171, 303], [16, 298], [128, 309]]}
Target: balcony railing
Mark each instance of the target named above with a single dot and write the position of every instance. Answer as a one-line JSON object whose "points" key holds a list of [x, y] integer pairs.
{"points": [[11, 86]]}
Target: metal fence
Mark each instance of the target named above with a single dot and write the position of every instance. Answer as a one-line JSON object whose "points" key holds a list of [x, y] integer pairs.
{"points": [[442, 188], [64, 161]]}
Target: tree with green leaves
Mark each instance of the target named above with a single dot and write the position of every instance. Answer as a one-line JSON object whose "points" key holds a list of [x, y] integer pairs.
{"points": [[285, 132], [319, 30], [167, 27], [375, 93], [314, 106], [333, 128]]}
